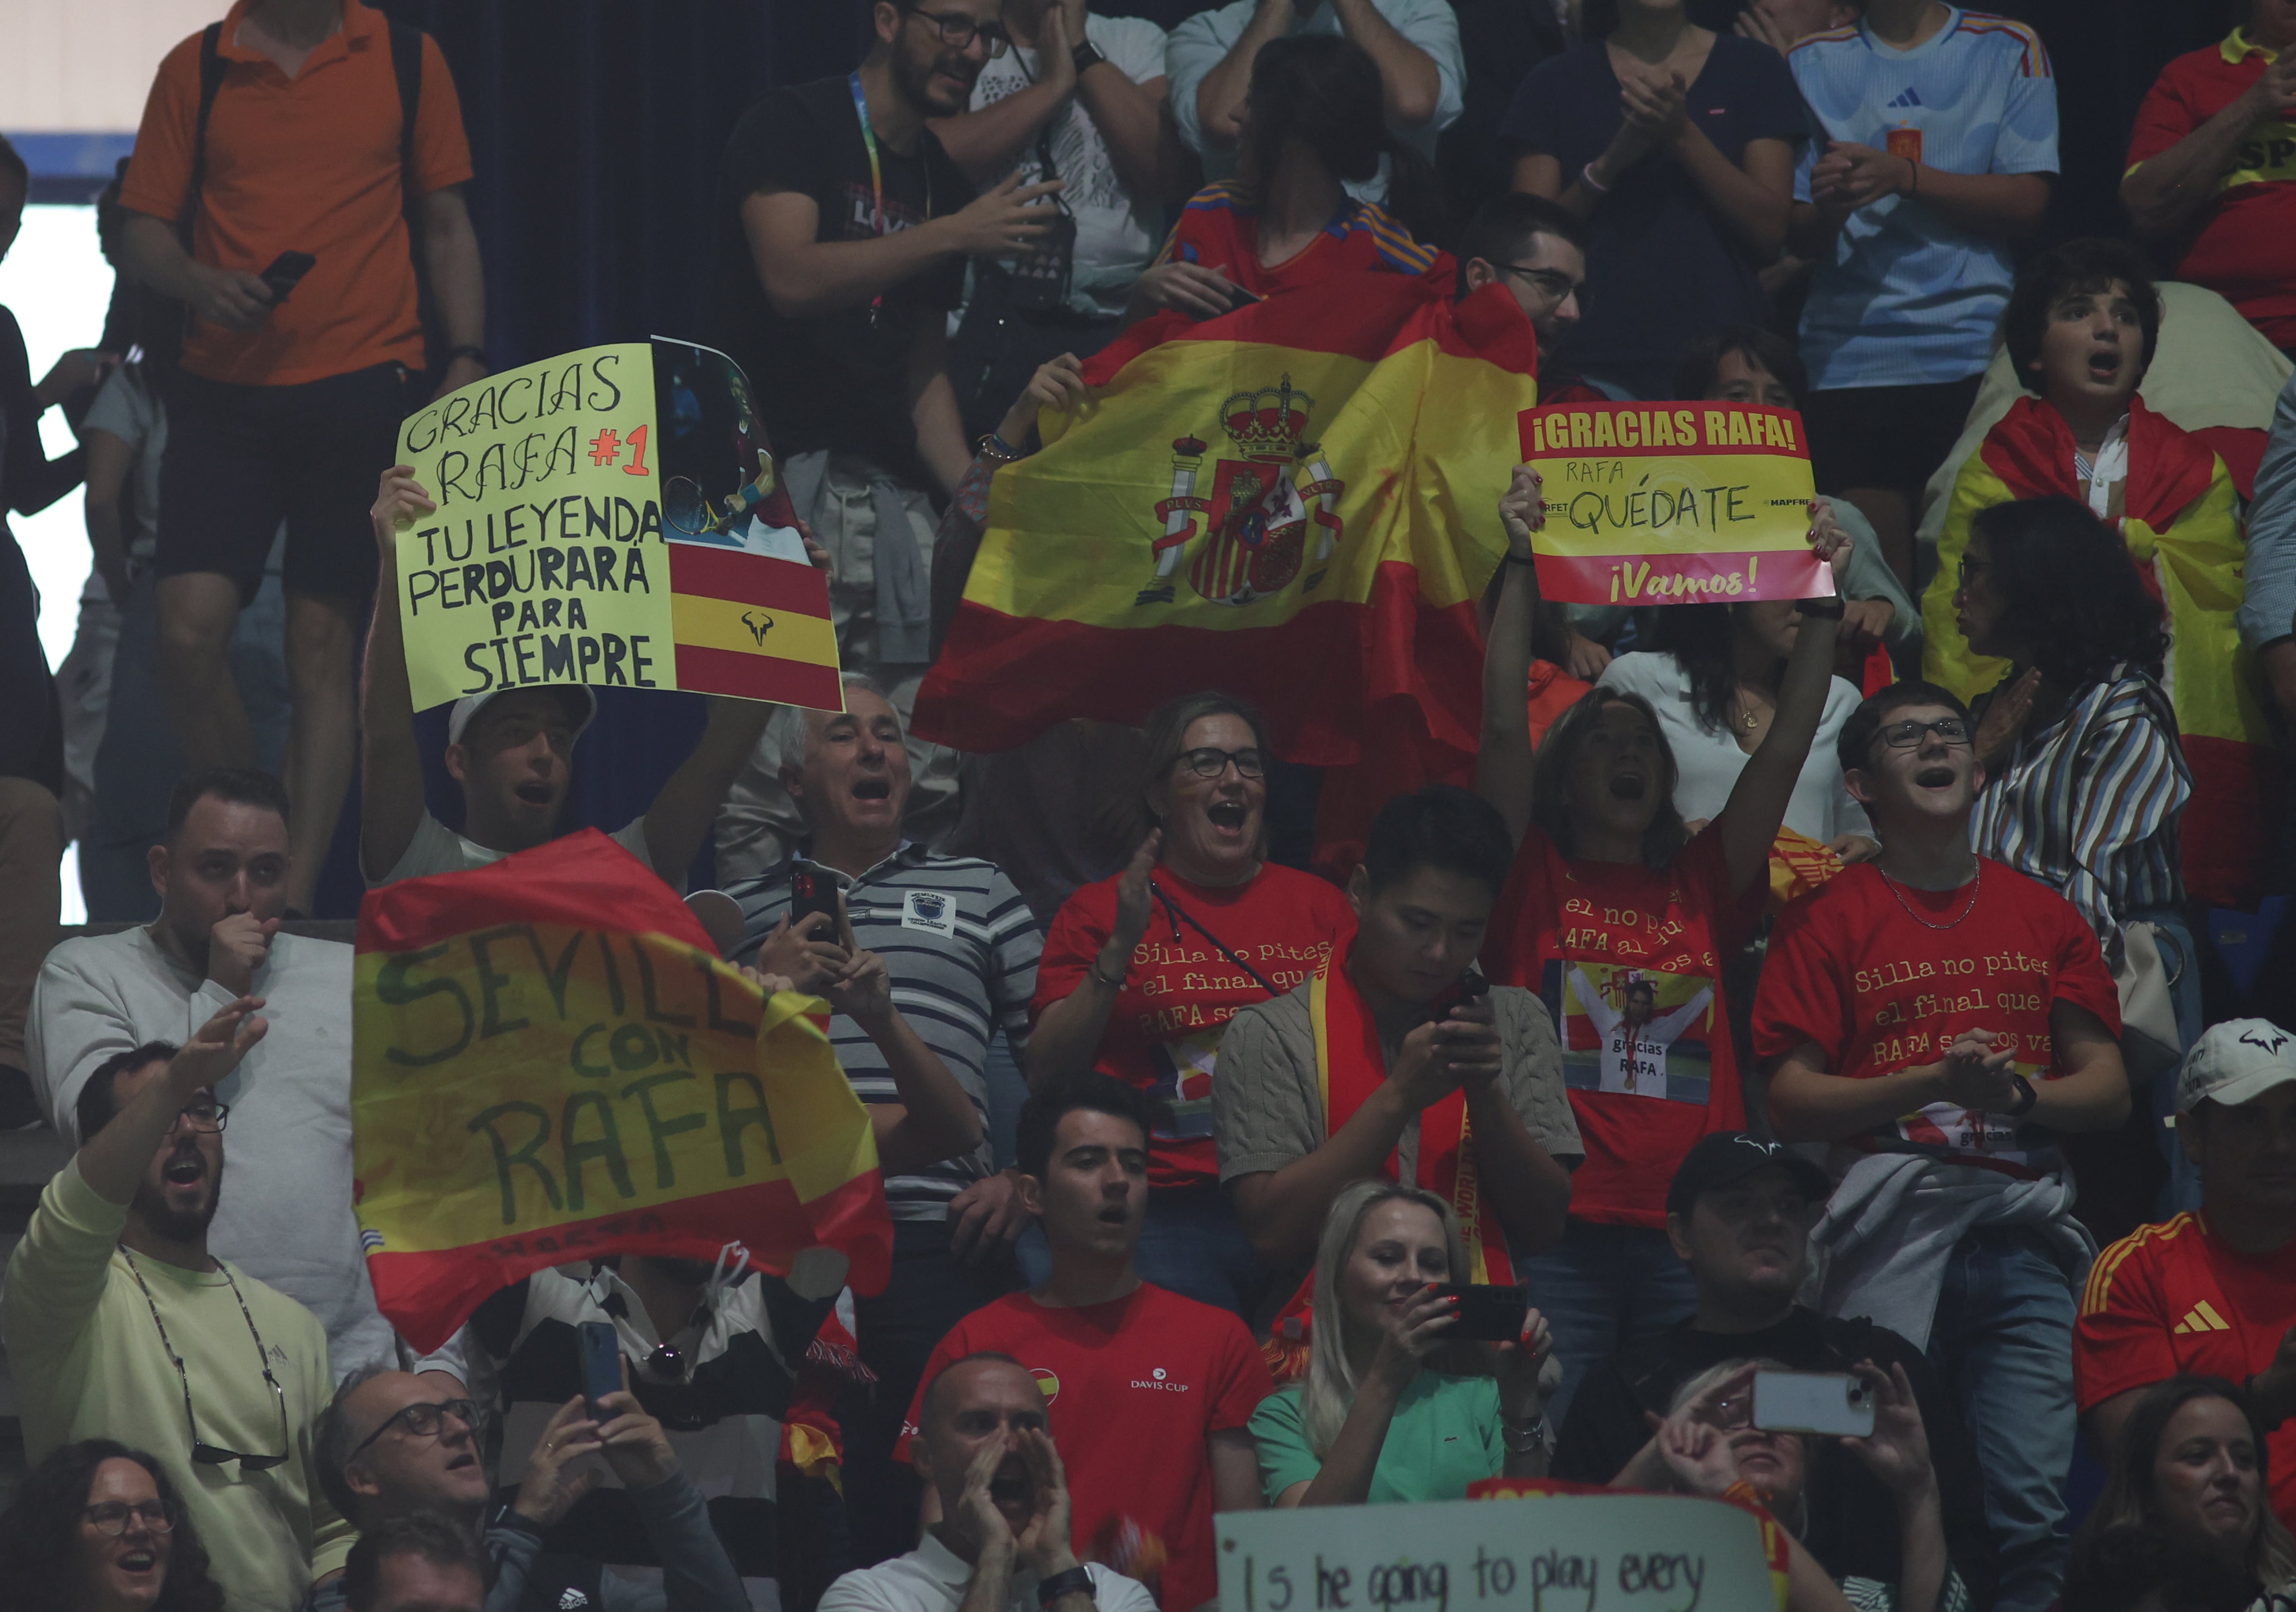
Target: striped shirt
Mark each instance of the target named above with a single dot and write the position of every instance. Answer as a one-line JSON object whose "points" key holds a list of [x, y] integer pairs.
{"points": [[960, 945], [2099, 826], [1903, 297]]}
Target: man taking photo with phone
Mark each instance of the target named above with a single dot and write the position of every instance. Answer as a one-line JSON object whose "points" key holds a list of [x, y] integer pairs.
{"points": [[1739, 1213]]}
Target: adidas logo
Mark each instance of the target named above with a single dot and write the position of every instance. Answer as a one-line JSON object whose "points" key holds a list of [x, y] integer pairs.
{"points": [[2202, 1318], [1905, 98]]}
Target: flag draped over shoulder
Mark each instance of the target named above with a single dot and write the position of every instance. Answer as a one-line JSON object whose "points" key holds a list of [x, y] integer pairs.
{"points": [[2182, 526], [1296, 502], [553, 1064]]}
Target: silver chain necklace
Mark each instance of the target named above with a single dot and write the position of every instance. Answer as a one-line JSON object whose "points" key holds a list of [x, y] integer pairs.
{"points": [[1967, 907]]}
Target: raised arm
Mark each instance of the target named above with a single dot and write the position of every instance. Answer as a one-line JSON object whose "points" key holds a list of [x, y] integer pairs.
{"points": [[1411, 83], [1749, 821], [1219, 93], [1502, 759], [391, 766], [678, 820], [935, 1118], [113, 1160], [1407, 1337], [1068, 1034]]}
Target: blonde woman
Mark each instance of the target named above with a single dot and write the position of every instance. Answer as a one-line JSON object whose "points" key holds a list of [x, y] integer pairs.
{"points": [[1391, 1411]]}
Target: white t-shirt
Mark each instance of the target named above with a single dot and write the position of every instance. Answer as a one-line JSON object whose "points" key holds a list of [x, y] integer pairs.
{"points": [[1707, 764], [437, 848], [284, 1212], [932, 1578], [129, 407], [1117, 233]]}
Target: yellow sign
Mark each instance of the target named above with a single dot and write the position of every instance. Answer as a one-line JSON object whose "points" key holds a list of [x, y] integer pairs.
{"points": [[609, 517], [1673, 504]]}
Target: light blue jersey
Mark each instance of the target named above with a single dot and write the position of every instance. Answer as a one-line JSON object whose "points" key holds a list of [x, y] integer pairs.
{"points": [[1908, 299]]}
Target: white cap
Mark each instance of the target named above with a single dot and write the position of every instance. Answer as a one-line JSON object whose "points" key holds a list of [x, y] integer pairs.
{"points": [[470, 705], [2234, 1062]]}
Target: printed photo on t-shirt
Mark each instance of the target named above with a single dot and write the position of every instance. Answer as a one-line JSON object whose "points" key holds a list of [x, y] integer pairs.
{"points": [[1184, 1079], [1633, 1031]]}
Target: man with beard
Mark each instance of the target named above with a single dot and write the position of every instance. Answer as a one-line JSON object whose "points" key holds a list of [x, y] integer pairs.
{"points": [[1943, 1019], [712, 1352], [847, 228], [222, 873], [1003, 1541], [119, 1322], [392, 1446]]}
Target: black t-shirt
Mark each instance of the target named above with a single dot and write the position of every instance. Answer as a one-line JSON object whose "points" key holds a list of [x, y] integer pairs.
{"points": [[1853, 1520], [1662, 264], [834, 381]]}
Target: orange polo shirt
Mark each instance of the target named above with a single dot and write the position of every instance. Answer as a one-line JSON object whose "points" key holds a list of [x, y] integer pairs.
{"points": [[306, 164]]}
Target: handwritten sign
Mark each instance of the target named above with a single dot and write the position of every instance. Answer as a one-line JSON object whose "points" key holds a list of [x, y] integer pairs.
{"points": [[1673, 504], [609, 517], [1576, 1553], [530, 1087]]}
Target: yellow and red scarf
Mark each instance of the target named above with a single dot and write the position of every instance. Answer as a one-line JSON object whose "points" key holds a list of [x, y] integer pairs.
{"points": [[1351, 1065]]}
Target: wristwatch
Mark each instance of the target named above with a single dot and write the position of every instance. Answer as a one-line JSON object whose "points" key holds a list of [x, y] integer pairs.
{"points": [[2026, 1096], [1073, 1581], [1528, 1435], [1084, 55]]}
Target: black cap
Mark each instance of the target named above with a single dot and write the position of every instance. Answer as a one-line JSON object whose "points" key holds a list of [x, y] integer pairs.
{"points": [[1728, 1157]]}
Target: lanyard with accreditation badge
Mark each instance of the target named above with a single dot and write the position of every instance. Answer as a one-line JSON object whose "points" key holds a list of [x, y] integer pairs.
{"points": [[877, 184]]}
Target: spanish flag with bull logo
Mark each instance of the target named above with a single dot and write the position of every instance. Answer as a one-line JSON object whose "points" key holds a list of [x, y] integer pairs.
{"points": [[1296, 502], [553, 1064]]}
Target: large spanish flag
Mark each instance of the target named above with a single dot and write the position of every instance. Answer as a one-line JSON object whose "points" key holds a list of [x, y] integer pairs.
{"points": [[553, 1064], [2182, 526], [752, 626], [1296, 502]]}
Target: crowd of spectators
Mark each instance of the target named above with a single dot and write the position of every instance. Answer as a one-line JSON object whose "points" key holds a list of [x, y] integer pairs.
{"points": [[1182, 1144]]}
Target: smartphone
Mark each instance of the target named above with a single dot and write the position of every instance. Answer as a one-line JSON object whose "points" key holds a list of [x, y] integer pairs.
{"points": [[1472, 988], [1813, 1402], [1487, 1314], [286, 269], [1244, 296], [813, 889], [600, 1362]]}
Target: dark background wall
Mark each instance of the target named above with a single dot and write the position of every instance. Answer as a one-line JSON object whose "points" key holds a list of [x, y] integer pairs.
{"points": [[597, 129]]}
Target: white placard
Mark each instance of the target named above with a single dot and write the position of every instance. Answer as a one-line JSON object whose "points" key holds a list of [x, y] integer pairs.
{"points": [[1552, 1553]]}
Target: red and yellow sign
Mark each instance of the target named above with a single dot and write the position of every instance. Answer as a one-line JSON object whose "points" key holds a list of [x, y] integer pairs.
{"points": [[1673, 504], [553, 1064]]}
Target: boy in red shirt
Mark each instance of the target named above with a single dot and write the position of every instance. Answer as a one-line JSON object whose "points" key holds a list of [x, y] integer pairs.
{"points": [[1149, 1394], [1940, 1016], [2211, 1294]]}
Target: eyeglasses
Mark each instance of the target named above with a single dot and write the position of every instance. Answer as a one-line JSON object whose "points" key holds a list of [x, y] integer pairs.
{"points": [[425, 1418], [1208, 761], [204, 1453], [113, 1515], [1904, 735], [1554, 283], [205, 1115], [1969, 568], [958, 31]]}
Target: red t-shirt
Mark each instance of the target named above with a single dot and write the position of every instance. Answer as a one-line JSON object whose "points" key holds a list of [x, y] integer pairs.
{"points": [[1133, 1389], [2245, 246], [1218, 231], [1852, 967], [2175, 1298], [1630, 962], [1179, 992]]}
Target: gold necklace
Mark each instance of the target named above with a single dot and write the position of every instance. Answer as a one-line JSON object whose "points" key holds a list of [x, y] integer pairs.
{"points": [[1976, 884]]}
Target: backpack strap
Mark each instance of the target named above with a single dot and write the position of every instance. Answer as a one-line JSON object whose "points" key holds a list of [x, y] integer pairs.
{"points": [[406, 68], [212, 67]]}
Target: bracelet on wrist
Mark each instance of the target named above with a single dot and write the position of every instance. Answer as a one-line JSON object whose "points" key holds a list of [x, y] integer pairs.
{"points": [[1092, 969], [1515, 558], [1913, 177], [995, 449], [1587, 178], [1085, 55]]}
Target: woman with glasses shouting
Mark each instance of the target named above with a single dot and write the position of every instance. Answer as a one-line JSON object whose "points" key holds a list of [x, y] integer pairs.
{"points": [[98, 1528], [1141, 973]]}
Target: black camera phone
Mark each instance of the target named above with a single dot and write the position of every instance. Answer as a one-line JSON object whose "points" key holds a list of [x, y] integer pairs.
{"points": [[813, 889], [1487, 1314], [286, 270], [1472, 988]]}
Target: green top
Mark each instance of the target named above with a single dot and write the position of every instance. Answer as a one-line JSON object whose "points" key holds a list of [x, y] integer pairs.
{"points": [[1446, 1434]]}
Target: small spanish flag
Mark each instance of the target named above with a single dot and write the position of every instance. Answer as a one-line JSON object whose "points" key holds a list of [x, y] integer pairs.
{"points": [[753, 626]]}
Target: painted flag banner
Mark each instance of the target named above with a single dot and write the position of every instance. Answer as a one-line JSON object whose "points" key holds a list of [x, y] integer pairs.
{"points": [[609, 517], [1296, 502], [552, 1065], [1673, 504]]}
